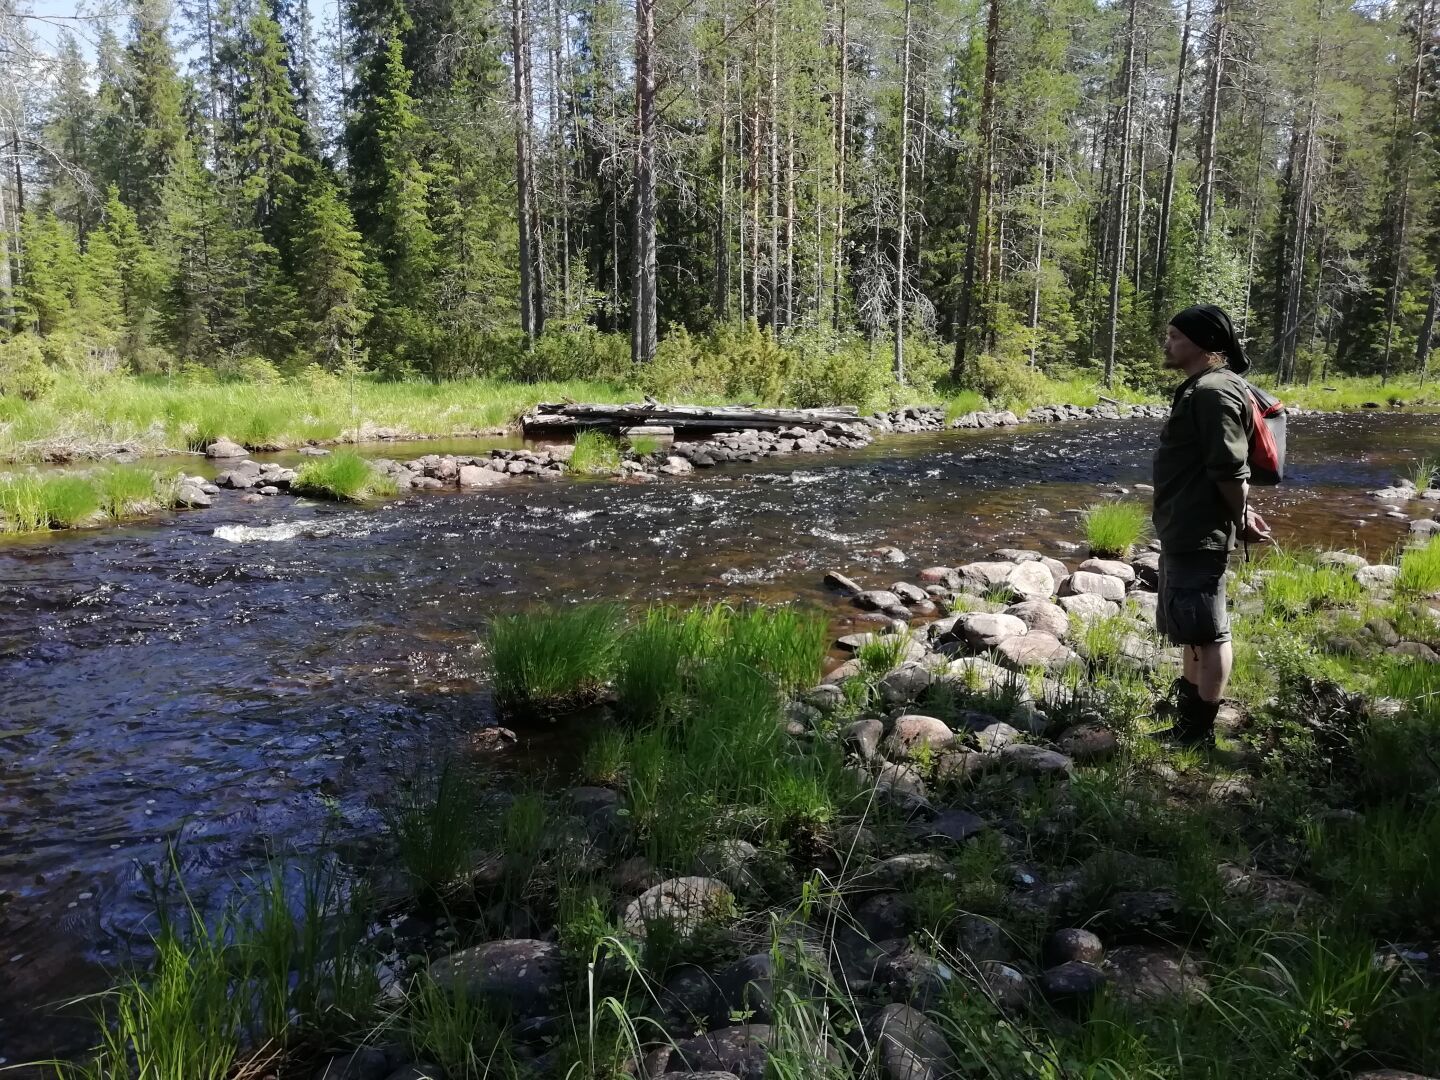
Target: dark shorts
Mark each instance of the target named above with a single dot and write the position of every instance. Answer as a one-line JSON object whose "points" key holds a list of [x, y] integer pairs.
{"points": [[1192, 598]]}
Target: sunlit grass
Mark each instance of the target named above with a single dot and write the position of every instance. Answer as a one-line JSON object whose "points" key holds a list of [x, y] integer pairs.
{"points": [[1113, 529], [1420, 570], [595, 452], [343, 475], [35, 501], [554, 658]]}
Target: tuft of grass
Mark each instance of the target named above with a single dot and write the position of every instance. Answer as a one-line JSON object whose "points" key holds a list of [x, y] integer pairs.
{"points": [[465, 1037], [1422, 474], [1292, 587], [181, 1020], [434, 826], [644, 445], [1113, 529], [344, 476], [125, 491], [33, 501], [595, 452], [72, 501], [881, 655], [1420, 570], [554, 658]]}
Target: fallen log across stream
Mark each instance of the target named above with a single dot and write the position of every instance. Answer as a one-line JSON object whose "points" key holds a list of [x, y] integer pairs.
{"points": [[569, 416]]}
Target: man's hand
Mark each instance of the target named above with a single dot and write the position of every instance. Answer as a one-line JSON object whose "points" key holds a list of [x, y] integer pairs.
{"points": [[1255, 530]]}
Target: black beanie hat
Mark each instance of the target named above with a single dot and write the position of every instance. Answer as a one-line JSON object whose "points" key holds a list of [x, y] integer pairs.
{"points": [[1210, 328]]}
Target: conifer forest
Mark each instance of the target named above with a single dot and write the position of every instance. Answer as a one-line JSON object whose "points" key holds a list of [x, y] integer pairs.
{"points": [[970, 187]]}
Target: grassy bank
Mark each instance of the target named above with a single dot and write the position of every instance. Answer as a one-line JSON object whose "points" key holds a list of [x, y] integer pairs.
{"points": [[1259, 887], [84, 418]]}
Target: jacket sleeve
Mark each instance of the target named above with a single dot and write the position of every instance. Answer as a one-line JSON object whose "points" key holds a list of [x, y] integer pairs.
{"points": [[1220, 416]]}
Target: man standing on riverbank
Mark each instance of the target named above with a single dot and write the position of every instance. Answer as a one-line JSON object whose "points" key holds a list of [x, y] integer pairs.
{"points": [[1201, 474]]}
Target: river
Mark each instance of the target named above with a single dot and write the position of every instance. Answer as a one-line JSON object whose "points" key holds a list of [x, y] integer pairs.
{"points": [[239, 680]]}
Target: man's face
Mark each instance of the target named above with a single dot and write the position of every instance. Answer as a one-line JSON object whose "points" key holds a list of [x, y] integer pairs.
{"points": [[1179, 350]]}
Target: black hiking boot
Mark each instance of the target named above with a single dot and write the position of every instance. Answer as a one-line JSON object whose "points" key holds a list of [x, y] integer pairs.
{"points": [[1192, 719]]}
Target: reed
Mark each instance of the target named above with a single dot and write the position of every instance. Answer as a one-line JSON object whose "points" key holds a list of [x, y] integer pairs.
{"points": [[595, 452]]}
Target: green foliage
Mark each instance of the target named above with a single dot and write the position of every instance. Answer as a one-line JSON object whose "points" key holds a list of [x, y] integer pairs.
{"points": [[342, 475], [1113, 529], [1423, 473], [1420, 570], [463, 1036], [595, 452], [553, 658]]}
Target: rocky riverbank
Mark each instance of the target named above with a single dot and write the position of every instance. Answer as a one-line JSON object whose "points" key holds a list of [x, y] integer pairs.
{"points": [[981, 857]]}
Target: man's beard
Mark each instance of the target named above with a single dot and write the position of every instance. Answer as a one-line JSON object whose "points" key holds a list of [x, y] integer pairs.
{"points": [[1169, 363]]}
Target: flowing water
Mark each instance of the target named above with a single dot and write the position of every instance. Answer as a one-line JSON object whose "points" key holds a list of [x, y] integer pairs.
{"points": [[241, 680]]}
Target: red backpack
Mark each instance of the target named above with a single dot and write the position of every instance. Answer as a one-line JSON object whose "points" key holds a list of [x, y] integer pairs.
{"points": [[1267, 441]]}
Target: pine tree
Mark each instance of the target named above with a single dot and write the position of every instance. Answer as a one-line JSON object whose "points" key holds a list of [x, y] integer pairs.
{"points": [[330, 274], [154, 135], [52, 270]]}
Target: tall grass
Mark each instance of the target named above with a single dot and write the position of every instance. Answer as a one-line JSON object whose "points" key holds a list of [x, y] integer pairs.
{"points": [[434, 825], [464, 1037], [554, 658], [1113, 529], [343, 475], [595, 452], [1423, 472], [1292, 586], [153, 415], [1420, 570], [33, 501]]}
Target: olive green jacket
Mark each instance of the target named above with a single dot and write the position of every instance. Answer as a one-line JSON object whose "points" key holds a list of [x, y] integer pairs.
{"points": [[1205, 440]]}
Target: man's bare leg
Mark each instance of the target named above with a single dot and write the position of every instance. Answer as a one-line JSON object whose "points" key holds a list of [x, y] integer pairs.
{"points": [[1208, 668]]}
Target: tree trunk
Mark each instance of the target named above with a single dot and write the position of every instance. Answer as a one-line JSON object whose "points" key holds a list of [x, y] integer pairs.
{"points": [[1167, 198], [1122, 194], [561, 126], [753, 174], [1254, 228], [1039, 259], [1212, 122], [980, 191], [773, 120], [7, 292], [644, 317], [904, 176], [520, 52], [841, 142], [721, 288]]}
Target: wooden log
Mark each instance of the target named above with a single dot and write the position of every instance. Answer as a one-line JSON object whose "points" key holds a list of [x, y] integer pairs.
{"points": [[555, 416]]}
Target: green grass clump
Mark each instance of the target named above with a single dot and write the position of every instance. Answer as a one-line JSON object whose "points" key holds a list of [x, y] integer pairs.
{"points": [[644, 445], [344, 476], [1292, 587], [1420, 570], [434, 828], [125, 491], [554, 658], [33, 501], [1422, 474], [1113, 529], [595, 452]]}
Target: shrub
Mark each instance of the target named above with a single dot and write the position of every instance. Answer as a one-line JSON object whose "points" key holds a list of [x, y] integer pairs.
{"points": [[554, 658], [343, 475], [595, 452], [1010, 382], [1113, 529], [23, 371]]}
